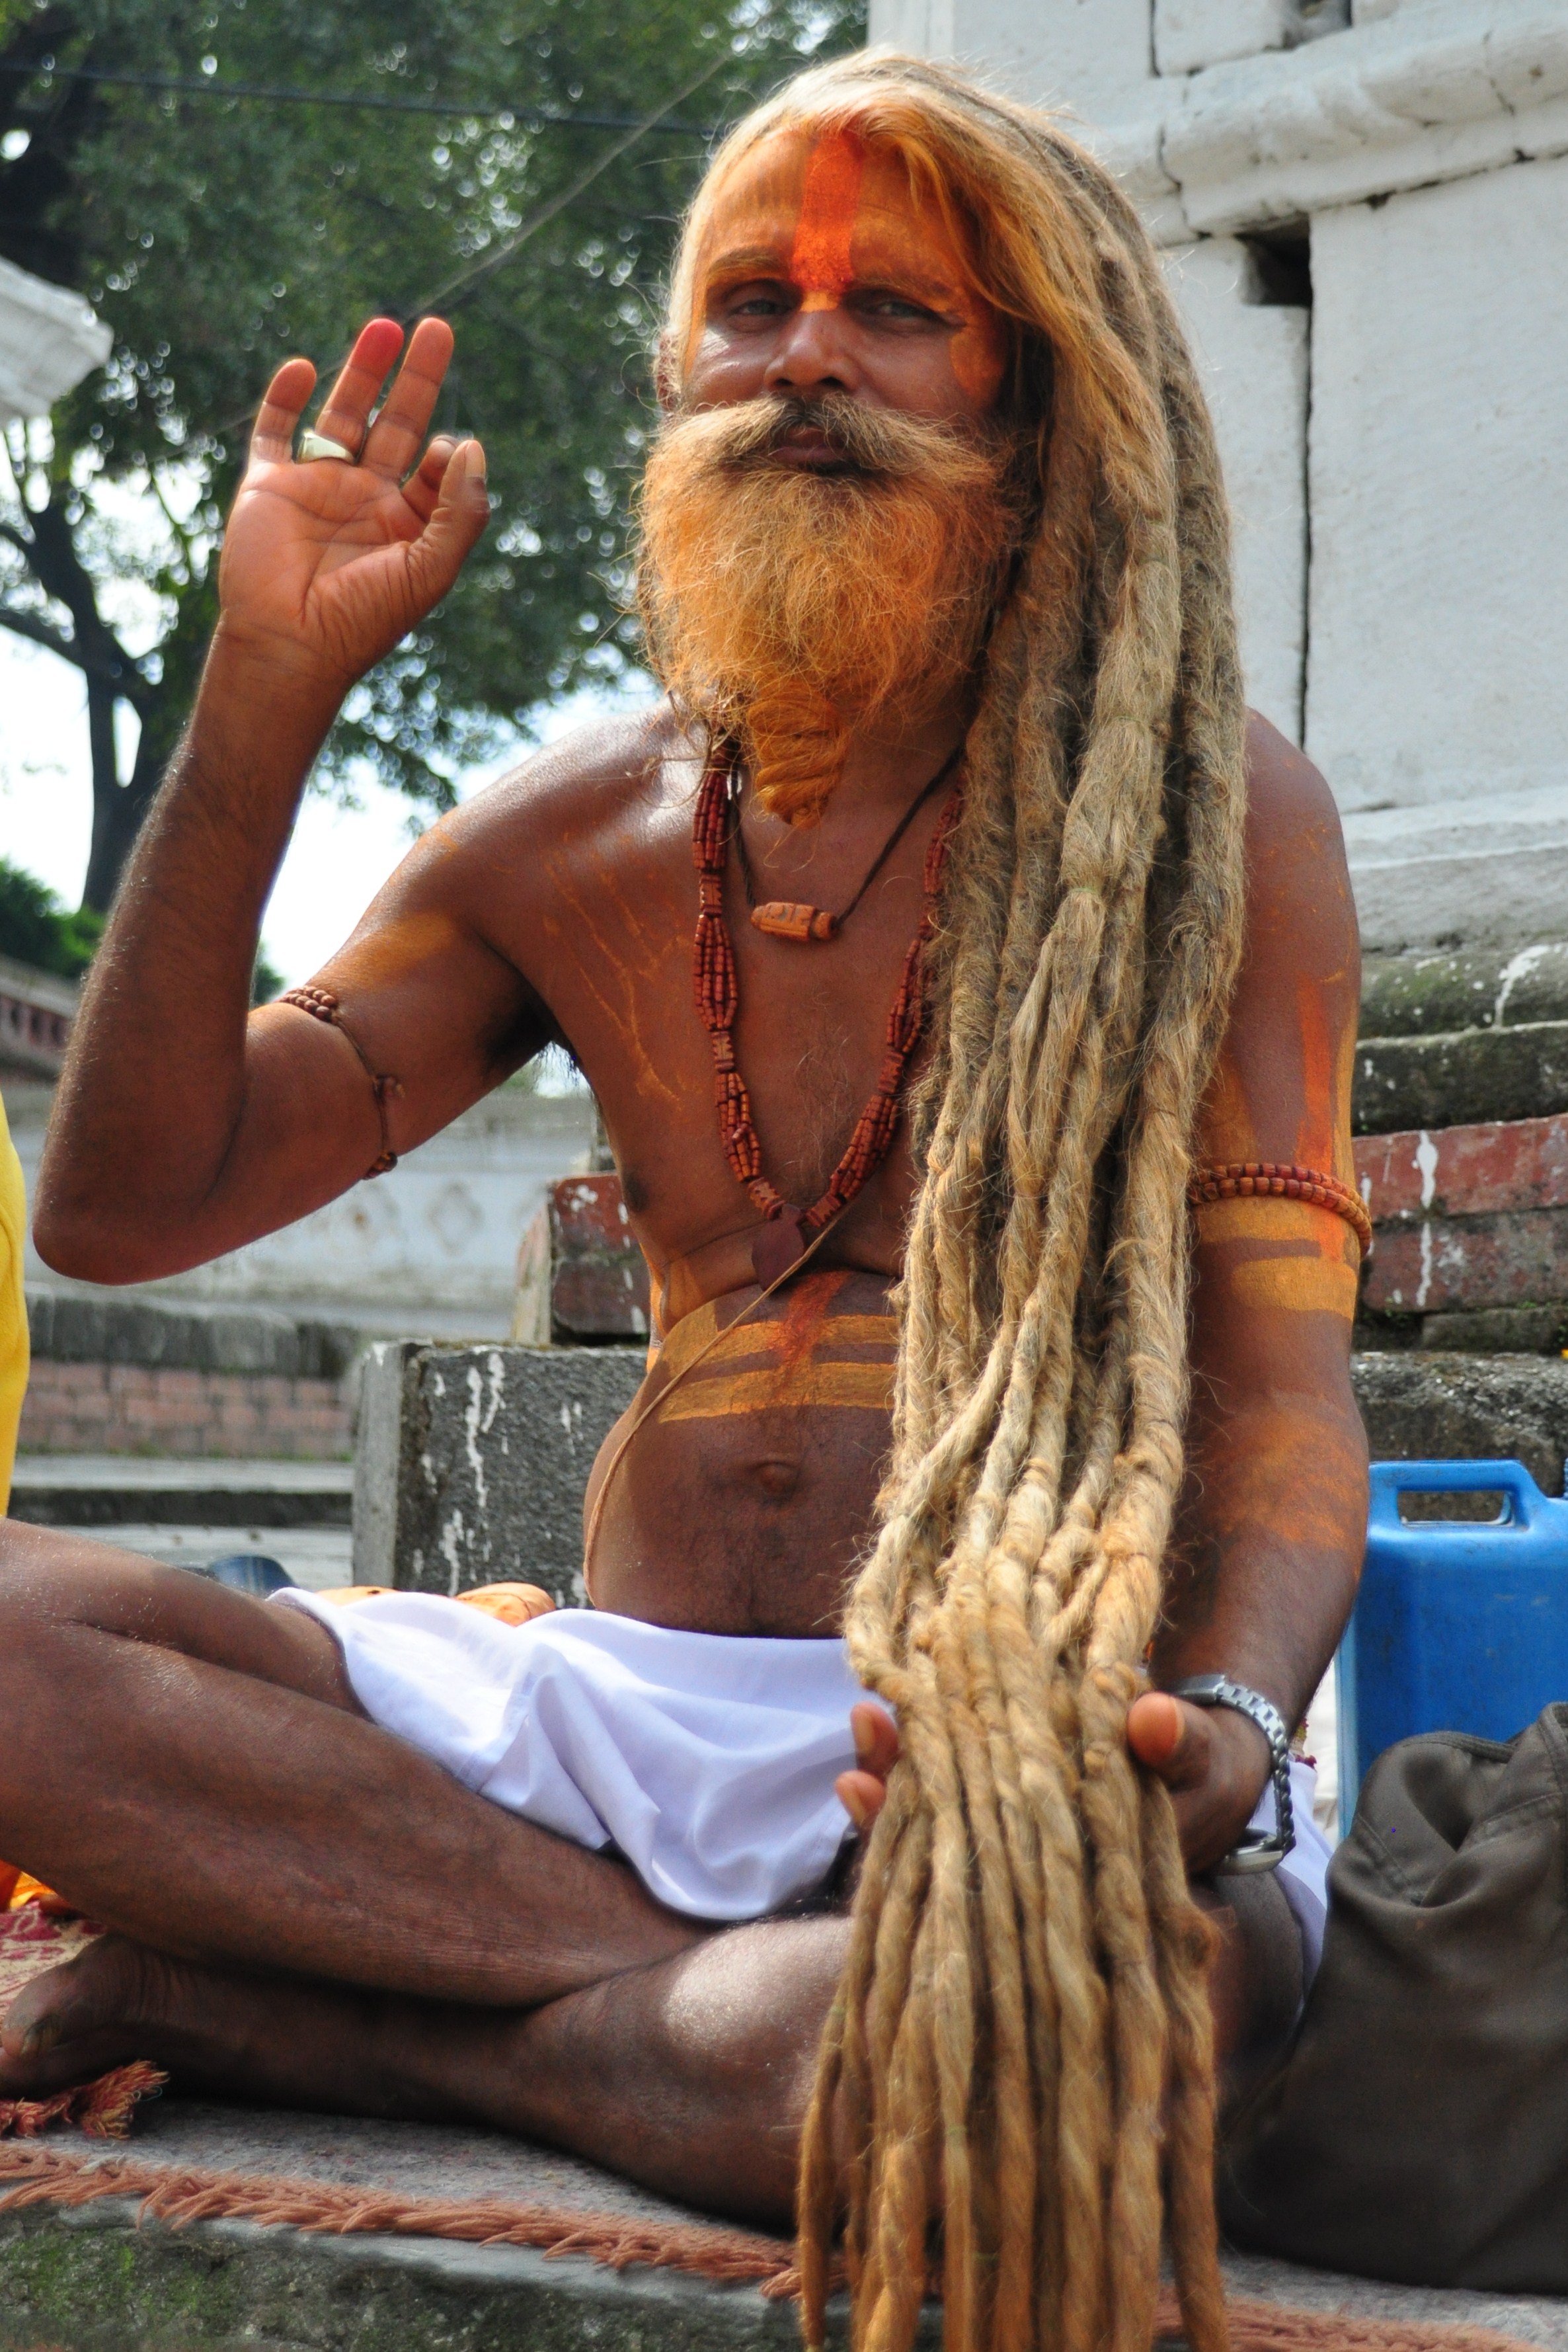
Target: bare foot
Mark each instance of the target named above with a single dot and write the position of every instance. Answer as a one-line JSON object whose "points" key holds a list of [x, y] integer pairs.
{"points": [[268, 2038]]}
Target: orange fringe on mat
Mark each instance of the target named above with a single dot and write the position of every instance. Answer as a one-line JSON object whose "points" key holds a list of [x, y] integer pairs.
{"points": [[733, 2257], [102, 2109]]}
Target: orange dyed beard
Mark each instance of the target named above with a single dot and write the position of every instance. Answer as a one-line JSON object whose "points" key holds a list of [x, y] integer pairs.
{"points": [[785, 607]]}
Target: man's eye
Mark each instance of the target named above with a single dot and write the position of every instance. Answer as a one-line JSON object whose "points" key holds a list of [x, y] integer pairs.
{"points": [[753, 302], [898, 306]]}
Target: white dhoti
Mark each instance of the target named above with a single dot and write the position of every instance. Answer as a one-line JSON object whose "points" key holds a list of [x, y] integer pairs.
{"points": [[706, 1760]]}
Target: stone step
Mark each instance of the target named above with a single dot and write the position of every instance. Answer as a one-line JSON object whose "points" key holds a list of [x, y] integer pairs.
{"points": [[1460, 1077], [318, 1557], [93, 2278], [101, 1490], [1473, 987]]}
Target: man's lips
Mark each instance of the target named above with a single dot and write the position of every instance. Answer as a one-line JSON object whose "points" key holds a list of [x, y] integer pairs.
{"points": [[809, 445]]}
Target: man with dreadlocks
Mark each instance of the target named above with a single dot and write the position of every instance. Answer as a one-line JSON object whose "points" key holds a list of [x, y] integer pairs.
{"points": [[935, 571]]}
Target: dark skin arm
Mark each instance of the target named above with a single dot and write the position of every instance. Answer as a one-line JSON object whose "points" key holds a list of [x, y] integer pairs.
{"points": [[1273, 1517], [180, 1129], [1272, 1520]]}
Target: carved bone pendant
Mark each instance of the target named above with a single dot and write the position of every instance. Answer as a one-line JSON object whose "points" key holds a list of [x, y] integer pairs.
{"points": [[782, 919]]}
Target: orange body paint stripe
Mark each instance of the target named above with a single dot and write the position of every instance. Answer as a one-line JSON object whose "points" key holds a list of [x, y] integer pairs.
{"points": [[760, 1340], [1277, 1220], [1302, 1286], [820, 256], [864, 1386]]}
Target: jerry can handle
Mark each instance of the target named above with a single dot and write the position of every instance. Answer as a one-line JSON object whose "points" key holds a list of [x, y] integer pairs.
{"points": [[1392, 1479]]}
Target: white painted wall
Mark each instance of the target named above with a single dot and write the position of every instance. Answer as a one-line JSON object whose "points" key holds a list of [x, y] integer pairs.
{"points": [[1253, 359], [1088, 55], [1438, 690], [429, 1248]]}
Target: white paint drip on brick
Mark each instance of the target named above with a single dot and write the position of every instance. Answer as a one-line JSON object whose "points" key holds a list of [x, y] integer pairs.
{"points": [[1425, 1162]]}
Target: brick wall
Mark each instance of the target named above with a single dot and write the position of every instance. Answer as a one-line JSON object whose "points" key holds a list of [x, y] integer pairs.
{"points": [[131, 1409], [118, 1375]]}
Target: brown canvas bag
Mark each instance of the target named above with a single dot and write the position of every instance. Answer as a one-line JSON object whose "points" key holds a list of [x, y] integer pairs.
{"points": [[1418, 2129]]}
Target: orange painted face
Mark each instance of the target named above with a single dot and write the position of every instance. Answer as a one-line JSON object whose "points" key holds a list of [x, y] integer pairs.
{"points": [[806, 224]]}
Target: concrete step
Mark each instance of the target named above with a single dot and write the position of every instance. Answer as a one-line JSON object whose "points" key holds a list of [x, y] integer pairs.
{"points": [[102, 1490], [92, 2279], [1460, 1077], [317, 1558], [1412, 996]]}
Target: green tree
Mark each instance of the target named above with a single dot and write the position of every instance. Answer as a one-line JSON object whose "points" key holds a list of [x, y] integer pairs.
{"points": [[216, 231]]}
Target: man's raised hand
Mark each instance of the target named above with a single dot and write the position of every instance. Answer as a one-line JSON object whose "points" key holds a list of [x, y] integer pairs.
{"points": [[326, 565]]}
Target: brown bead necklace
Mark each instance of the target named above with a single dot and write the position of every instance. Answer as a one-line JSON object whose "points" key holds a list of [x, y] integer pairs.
{"points": [[789, 1229], [786, 919]]}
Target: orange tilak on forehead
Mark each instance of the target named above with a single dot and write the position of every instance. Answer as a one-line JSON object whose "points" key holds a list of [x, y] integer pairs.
{"points": [[820, 257]]}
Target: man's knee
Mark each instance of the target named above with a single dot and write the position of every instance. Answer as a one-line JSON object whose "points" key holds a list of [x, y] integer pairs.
{"points": [[58, 1587]]}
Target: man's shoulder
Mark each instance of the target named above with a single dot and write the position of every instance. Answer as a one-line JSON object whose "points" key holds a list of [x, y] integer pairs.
{"points": [[586, 780], [1291, 811], [1300, 913]]}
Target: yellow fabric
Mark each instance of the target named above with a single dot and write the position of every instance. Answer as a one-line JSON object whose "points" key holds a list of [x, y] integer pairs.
{"points": [[12, 1309]]}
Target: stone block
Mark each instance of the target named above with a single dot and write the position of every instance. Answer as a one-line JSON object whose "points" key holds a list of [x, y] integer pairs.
{"points": [[473, 1462], [1190, 35], [599, 1277], [1418, 1406], [70, 1326], [1417, 994], [98, 2279], [1466, 1077]]}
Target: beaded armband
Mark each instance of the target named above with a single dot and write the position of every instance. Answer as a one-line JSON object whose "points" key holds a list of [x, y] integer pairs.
{"points": [[322, 1005], [1260, 1180]]}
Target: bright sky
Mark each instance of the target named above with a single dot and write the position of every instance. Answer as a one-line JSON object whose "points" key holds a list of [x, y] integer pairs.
{"points": [[338, 860]]}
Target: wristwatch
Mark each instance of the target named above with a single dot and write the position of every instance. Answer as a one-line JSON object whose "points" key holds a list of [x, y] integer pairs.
{"points": [[1257, 1849]]}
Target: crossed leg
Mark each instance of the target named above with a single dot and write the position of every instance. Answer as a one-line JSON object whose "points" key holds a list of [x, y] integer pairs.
{"points": [[309, 1913]]}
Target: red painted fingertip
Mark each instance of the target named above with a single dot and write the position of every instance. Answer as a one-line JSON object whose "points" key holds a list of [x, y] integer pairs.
{"points": [[1155, 1728]]}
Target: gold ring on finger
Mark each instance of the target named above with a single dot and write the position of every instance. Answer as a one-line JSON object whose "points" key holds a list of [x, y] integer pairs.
{"points": [[313, 445]]}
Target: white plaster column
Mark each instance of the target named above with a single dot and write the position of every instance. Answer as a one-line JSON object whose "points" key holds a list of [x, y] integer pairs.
{"points": [[1437, 679], [1252, 355]]}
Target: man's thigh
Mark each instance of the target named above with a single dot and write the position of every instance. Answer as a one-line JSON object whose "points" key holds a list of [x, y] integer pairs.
{"points": [[55, 1586]]}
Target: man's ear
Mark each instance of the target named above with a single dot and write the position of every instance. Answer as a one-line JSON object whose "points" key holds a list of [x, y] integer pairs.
{"points": [[667, 372]]}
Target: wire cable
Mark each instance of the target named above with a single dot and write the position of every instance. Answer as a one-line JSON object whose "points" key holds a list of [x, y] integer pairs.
{"points": [[527, 118]]}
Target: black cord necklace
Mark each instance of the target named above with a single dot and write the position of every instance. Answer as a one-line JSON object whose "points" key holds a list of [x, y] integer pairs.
{"points": [[785, 918]]}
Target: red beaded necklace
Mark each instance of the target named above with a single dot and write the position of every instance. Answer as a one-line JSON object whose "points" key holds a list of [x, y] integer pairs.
{"points": [[788, 1229]]}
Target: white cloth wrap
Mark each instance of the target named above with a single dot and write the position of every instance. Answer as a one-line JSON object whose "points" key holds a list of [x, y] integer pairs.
{"points": [[706, 1759], [1303, 1873]]}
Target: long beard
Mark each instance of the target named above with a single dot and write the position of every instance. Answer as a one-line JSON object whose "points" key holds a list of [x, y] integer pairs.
{"points": [[784, 607]]}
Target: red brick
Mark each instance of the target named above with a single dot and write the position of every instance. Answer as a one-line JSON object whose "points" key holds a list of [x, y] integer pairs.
{"points": [[1466, 1171]]}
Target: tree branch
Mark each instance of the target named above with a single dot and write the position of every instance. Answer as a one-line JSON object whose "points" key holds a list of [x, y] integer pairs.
{"points": [[27, 625]]}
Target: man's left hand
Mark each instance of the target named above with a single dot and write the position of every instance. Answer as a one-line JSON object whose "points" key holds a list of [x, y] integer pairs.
{"points": [[1214, 1761]]}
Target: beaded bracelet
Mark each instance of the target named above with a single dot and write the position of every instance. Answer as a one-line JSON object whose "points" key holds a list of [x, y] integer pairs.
{"points": [[1252, 1179], [322, 1005]]}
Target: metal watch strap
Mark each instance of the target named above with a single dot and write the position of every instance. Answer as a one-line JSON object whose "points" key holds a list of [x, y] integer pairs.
{"points": [[1259, 1848]]}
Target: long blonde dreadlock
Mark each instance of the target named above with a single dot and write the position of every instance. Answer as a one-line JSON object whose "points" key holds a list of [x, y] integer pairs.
{"points": [[1023, 2014]]}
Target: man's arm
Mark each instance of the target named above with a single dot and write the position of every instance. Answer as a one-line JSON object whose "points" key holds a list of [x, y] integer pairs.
{"points": [[185, 1125], [1274, 1519]]}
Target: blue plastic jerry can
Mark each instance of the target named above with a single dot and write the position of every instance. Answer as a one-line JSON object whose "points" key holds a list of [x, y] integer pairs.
{"points": [[1461, 1625]]}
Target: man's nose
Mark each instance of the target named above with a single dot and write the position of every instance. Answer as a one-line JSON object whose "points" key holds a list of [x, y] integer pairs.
{"points": [[814, 354]]}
